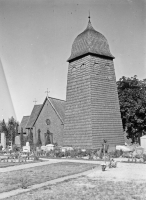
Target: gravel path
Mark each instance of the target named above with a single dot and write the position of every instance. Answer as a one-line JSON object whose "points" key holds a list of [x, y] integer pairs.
{"points": [[123, 172]]}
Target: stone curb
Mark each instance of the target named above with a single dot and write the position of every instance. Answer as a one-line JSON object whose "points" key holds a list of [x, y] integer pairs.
{"points": [[37, 186], [26, 166], [46, 162]]}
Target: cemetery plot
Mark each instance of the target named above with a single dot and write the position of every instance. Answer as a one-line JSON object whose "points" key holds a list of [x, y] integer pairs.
{"points": [[26, 177], [13, 159]]}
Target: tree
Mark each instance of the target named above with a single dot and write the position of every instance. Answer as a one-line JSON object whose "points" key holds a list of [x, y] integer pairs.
{"points": [[39, 142], [12, 127], [30, 138], [132, 98], [21, 138]]}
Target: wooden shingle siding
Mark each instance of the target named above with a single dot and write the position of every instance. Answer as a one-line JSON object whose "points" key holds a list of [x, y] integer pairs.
{"points": [[106, 118], [92, 110], [78, 127]]}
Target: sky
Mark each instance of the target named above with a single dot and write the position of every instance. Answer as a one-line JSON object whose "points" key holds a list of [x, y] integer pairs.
{"points": [[36, 37]]}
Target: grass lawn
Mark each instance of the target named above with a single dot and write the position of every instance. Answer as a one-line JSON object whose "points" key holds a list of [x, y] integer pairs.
{"points": [[84, 188], [26, 177]]}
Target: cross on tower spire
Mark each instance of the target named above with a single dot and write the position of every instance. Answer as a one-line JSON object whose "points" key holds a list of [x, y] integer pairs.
{"points": [[47, 92], [35, 101]]}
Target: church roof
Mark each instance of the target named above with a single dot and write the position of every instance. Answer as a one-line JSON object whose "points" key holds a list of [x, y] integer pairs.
{"points": [[33, 116], [23, 123], [58, 106], [90, 41]]}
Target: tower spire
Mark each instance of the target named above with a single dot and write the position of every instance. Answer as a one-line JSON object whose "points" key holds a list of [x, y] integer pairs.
{"points": [[89, 26], [89, 16]]}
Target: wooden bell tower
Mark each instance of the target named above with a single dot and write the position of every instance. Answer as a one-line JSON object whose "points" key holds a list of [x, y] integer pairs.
{"points": [[92, 110]]}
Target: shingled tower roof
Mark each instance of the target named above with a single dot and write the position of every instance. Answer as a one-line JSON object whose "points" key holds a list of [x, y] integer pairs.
{"points": [[90, 42]]}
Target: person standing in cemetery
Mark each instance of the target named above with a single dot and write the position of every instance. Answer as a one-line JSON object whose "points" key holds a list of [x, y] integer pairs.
{"points": [[104, 148]]}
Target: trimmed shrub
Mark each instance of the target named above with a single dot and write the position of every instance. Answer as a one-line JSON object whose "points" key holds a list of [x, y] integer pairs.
{"points": [[51, 154], [47, 154], [36, 158], [67, 153], [16, 148], [116, 154], [73, 153], [61, 154]]}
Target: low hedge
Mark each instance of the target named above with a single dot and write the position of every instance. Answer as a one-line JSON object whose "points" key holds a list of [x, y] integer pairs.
{"points": [[79, 153]]}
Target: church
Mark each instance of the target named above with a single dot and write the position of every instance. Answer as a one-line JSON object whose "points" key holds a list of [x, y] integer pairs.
{"points": [[48, 119], [91, 111]]}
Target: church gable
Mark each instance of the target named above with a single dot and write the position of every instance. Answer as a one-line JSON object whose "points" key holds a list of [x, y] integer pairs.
{"points": [[49, 120], [57, 104]]}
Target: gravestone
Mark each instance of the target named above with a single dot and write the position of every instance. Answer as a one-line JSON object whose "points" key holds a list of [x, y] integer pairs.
{"points": [[50, 147], [27, 144], [143, 142], [3, 140], [17, 141], [26, 148]]}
